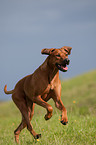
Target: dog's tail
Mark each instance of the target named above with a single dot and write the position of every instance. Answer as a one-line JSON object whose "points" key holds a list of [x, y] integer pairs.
{"points": [[7, 92]]}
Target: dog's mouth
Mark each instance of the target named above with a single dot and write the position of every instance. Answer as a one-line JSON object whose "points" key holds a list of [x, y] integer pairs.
{"points": [[61, 67]]}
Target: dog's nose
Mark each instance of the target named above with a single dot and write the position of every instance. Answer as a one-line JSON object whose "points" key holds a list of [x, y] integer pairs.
{"points": [[66, 61]]}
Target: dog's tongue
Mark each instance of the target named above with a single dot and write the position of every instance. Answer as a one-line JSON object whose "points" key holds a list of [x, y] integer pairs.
{"points": [[65, 68]]}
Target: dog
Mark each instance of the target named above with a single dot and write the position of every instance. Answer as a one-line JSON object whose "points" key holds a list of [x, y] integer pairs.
{"points": [[39, 87]]}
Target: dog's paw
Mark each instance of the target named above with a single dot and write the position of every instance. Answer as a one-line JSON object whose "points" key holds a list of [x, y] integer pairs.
{"points": [[48, 116], [17, 139], [38, 136], [64, 123]]}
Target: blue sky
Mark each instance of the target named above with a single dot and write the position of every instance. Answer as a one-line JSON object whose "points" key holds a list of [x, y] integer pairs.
{"points": [[28, 26]]}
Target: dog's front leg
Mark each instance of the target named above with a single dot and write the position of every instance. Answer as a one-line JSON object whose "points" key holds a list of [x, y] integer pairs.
{"points": [[38, 100], [56, 95], [60, 106]]}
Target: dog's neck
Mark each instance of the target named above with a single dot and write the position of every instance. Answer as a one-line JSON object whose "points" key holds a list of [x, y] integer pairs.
{"points": [[52, 75], [52, 70]]}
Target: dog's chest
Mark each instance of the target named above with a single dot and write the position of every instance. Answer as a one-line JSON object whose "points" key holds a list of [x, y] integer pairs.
{"points": [[49, 87]]}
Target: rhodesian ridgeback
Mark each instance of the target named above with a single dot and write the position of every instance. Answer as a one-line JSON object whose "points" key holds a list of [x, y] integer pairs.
{"points": [[39, 87]]}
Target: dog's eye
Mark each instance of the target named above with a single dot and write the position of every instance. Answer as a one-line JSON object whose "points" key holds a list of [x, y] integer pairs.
{"points": [[67, 54], [52, 50], [58, 55]]}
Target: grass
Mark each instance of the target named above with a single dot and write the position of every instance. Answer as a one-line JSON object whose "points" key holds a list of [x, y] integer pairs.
{"points": [[79, 97]]}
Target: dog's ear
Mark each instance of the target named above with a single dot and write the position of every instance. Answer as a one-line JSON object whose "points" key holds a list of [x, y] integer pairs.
{"points": [[47, 51], [67, 49]]}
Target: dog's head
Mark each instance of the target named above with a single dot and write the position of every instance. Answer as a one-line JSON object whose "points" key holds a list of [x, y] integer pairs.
{"points": [[58, 57]]}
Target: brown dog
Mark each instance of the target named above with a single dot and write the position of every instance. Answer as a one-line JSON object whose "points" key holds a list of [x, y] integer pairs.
{"points": [[39, 87]]}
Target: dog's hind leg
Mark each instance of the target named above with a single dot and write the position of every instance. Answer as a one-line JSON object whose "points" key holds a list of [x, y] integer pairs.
{"points": [[30, 106], [27, 116], [23, 122], [19, 129]]}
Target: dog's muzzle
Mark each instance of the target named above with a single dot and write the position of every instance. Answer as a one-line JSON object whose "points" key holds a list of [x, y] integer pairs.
{"points": [[63, 66]]}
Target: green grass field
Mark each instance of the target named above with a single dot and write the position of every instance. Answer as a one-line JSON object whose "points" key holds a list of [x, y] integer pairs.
{"points": [[79, 98]]}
